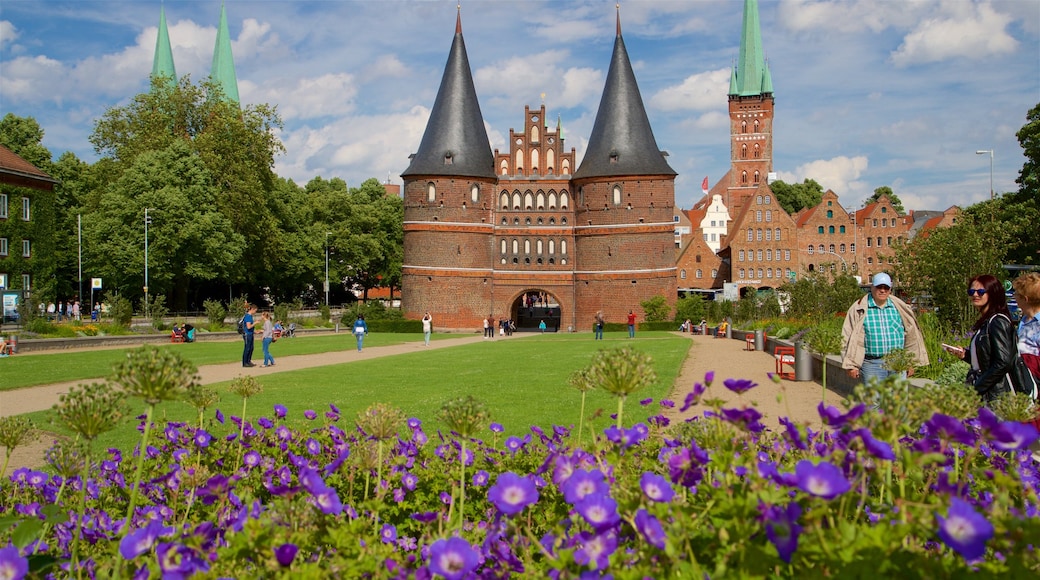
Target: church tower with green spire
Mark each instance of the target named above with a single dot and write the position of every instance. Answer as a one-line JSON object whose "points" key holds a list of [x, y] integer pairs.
{"points": [[223, 70], [750, 114], [162, 64]]}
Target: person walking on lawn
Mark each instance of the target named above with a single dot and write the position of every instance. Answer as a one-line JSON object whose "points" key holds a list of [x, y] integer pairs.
{"points": [[360, 330]]}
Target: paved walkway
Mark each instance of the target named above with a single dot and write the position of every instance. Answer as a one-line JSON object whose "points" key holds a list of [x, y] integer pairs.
{"points": [[727, 358]]}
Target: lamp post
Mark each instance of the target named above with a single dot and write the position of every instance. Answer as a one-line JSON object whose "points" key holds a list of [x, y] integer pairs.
{"points": [[327, 234], [983, 152], [147, 220]]}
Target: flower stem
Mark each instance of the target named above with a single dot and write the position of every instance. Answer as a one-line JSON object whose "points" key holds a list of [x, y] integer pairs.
{"points": [[620, 409], [581, 418], [462, 485], [137, 471]]}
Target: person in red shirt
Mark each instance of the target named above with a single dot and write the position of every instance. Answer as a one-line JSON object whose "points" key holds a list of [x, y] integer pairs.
{"points": [[631, 324]]}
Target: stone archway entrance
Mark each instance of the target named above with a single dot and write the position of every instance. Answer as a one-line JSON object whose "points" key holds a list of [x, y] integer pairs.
{"points": [[533, 306]]}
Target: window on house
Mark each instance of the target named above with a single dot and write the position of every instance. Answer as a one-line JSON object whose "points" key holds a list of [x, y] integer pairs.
{"points": [[25, 282], [819, 230], [758, 216], [841, 229], [869, 241], [852, 248], [879, 241], [742, 273], [700, 274], [821, 248], [431, 192], [682, 274], [831, 248], [25, 209], [3, 205], [769, 235], [811, 249], [769, 216], [474, 193], [842, 248], [617, 195], [758, 235], [870, 260], [830, 229], [759, 255], [888, 240], [26, 249], [739, 259], [714, 273], [884, 209], [830, 212], [787, 255], [776, 234], [750, 235], [875, 223], [3, 246]]}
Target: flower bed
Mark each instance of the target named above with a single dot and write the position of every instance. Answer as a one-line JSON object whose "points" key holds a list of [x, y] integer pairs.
{"points": [[718, 496]]}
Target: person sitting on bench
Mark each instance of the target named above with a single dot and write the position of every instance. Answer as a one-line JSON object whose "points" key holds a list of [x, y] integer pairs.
{"points": [[720, 332]]}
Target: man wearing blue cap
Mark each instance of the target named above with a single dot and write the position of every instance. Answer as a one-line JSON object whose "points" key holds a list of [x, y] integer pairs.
{"points": [[875, 325]]}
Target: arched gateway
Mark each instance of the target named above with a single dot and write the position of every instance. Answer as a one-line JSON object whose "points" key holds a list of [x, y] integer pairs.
{"points": [[533, 306]]}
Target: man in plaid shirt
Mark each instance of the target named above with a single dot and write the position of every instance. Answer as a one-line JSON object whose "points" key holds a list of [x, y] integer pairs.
{"points": [[875, 325]]}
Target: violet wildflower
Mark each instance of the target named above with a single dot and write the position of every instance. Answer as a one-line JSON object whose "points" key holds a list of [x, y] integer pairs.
{"points": [[220, 417], [791, 433], [709, 378], [651, 529], [965, 530], [140, 541], [496, 428], [823, 480], [12, 564], [656, 487], [414, 423], [693, 397], [480, 478], [313, 447], [279, 412], [582, 483], [265, 422], [511, 493], [832, 416], [179, 561], [310, 414], [453, 558], [878, 449], [739, 386], [595, 550], [948, 428], [409, 481], [285, 554], [514, 444], [202, 438], [667, 403], [782, 529], [599, 510], [646, 401], [388, 534], [1012, 435], [747, 419], [283, 433]]}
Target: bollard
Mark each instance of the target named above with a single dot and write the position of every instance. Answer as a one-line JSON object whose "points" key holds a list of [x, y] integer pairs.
{"points": [[760, 341], [337, 328], [14, 344], [729, 327], [803, 363]]}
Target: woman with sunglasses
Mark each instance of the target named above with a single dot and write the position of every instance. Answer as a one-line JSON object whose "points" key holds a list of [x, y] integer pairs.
{"points": [[993, 351]]}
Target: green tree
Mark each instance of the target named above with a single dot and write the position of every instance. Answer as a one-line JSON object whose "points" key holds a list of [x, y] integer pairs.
{"points": [[24, 136], [690, 307], [816, 296], [941, 264], [885, 190], [656, 308], [797, 196]]}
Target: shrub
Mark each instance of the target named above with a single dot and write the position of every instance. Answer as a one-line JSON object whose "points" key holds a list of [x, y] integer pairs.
{"points": [[120, 309], [690, 307], [215, 313], [156, 309], [656, 309]]}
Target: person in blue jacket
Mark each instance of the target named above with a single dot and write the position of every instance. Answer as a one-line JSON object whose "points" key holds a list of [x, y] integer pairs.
{"points": [[360, 330]]}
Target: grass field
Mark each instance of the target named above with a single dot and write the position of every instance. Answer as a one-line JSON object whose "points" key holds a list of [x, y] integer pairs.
{"points": [[523, 382]]}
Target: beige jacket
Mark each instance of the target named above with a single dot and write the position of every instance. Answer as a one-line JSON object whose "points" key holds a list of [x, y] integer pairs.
{"points": [[852, 337]]}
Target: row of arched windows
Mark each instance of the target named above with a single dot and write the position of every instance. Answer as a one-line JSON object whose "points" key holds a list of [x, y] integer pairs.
{"points": [[431, 192], [699, 274], [756, 151], [538, 246], [539, 221], [841, 248], [768, 255], [744, 177], [744, 126], [550, 163], [762, 273], [830, 229], [533, 201]]}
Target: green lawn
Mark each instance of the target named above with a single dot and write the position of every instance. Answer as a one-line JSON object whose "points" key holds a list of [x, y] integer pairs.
{"points": [[58, 367], [523, 382]]}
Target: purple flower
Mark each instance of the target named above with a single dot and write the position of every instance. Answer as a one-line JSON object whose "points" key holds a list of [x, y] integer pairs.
{"points": [[512, 493], [595, 550], [965, 530], [514, 444], [310, 414], [409, 481], [739, 386], [285, 554], [496, 428], [656, 487], [1011, 435], [823, 480], [178, 561], [667, 403], [582, 483], [252, 458], [220, 417], [599, 510], [12, 564], [747, 419], [878, 449], [693, 397], [136, 542], [791, 433], [948, 428], [453, 558], [832, 416], [388, 534], [202, 438], [264, 422], [709, 378], [782, 529], [646, 401], [650, 527], [313, 447], [279, 412], [414, 423], [480, 478]]}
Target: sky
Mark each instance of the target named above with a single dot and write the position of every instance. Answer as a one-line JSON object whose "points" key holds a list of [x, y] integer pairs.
{"points": [[869, 93]]}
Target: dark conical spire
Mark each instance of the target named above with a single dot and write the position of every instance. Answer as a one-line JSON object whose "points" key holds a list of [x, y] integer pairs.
{"points": [[455, 141], [622, 142], [223, 70], [162, 63], [751, 76]]}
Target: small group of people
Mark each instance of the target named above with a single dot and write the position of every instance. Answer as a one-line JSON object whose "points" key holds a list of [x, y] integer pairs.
{"points": [[69, 310], [1002, 358], [267, 336], [182, 333]]}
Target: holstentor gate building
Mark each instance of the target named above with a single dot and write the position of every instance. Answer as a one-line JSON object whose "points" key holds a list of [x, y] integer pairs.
{"points": [[484, 228]]}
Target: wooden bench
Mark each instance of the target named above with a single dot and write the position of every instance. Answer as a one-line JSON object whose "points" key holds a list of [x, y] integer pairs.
{"points": [[784, 356], [176, 337], [749, 341]]}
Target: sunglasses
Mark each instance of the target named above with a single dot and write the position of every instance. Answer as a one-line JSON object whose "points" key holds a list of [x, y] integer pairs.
{"points": [[883, 288], [976, 291]]}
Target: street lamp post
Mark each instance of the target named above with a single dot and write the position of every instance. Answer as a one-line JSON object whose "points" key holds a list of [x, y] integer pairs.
{"points": [[983, 152], [327, 234], [147, 221]]}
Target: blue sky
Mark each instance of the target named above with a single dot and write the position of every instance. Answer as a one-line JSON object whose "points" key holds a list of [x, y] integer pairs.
{"points": [[868, 92]]}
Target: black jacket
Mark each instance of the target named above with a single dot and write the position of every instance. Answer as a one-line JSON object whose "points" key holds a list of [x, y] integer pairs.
{"points": [[996, 347]]}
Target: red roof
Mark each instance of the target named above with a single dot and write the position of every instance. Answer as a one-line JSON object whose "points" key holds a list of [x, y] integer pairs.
{"points": [[11, 163]]}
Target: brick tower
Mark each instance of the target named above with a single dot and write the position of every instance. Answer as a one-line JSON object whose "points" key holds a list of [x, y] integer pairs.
{"points": [[750, 115], [624, 233], [484, 231]]}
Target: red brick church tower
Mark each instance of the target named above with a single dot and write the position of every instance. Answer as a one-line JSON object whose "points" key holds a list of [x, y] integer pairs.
{"points": [[484, 231]]}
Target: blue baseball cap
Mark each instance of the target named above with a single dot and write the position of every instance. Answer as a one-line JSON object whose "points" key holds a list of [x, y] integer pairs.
{"points": [[881, 279]]}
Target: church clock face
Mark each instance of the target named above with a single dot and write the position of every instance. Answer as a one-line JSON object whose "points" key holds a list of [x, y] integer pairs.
{"points": [[519, 141], [551, 140], [534, 119]]}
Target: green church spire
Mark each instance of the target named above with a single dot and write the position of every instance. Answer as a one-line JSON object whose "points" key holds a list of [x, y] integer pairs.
{"points": [[223, 71], [751, 75], [162, 64]]}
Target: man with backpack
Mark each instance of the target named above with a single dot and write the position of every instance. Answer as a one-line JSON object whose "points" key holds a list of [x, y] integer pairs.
{"points": [[245, 328]]}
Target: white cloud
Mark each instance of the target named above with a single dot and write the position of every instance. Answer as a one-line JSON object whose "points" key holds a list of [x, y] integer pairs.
{"points": [[387, 65], [697, 92], [32, 78], [523, 78], [306, 98], [840, 174], [8, 33], [848, 16], [580, 86], [975, 34]]}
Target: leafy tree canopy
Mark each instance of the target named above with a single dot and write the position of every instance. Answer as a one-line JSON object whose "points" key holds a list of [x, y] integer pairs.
{"points": [[797, 196], [885, 190]]}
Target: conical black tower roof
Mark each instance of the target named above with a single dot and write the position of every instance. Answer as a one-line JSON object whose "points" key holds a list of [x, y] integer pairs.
{"points": [[455, 142], [622, 142]]}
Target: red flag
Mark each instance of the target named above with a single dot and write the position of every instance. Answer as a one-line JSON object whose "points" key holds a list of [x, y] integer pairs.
{"points": [[704, 185]]}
